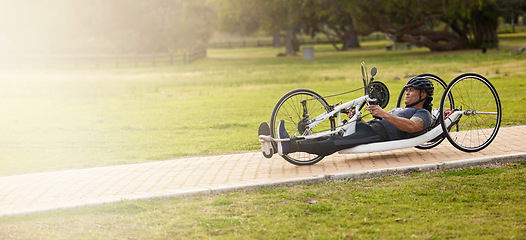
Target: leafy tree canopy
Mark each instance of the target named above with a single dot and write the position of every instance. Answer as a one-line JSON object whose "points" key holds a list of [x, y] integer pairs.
{"points": [[104, 26]]}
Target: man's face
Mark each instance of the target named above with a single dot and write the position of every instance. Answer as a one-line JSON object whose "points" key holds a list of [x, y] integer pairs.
{"points": [[412, 95]]}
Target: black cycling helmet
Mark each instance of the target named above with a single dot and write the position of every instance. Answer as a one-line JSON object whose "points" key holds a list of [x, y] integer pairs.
{"points": [[421, 84]]}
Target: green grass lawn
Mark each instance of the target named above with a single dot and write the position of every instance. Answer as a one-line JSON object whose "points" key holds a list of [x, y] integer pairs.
{"points": [[72, 118], [472, 203]]}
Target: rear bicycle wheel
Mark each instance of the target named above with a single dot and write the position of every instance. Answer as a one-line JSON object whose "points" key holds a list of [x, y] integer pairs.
{"points": [[440, 87], [297, 108], [479, 124]]}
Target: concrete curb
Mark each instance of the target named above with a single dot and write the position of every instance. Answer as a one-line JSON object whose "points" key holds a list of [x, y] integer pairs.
{"points": [[511, 158]]}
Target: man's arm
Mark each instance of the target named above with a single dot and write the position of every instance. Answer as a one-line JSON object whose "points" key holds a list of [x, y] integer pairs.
{"points": [[413, 125]]}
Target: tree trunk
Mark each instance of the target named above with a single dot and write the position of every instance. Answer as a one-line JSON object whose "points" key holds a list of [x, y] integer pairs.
{"points": [[351, 40], [276, 39], [289, 42], [484, 26]]}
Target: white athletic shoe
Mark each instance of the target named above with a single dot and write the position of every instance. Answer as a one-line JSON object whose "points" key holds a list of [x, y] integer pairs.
{"points": [[266, 146]]}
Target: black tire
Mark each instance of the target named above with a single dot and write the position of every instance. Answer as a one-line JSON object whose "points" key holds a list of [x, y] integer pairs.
{"points": [[380, 92], [440, 87], [476, 96], [290, 109]]}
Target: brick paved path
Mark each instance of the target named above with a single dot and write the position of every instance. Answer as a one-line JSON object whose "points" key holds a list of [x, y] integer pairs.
{"points": [[80, 187]]}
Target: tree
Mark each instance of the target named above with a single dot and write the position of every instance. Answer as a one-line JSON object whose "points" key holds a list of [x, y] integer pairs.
{"points": [[235, 17], [329, 17], [153, 26], [437, 24], [104, 26], [511, 10], [268, 15], [333, 19]]}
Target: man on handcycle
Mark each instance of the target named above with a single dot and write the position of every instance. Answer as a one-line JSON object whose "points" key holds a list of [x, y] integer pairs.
{"points": [[398, 123]]}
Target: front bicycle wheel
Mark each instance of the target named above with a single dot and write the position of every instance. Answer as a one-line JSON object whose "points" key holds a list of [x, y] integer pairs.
{"points": [[481, 115], [297, 108], [440, 87]]}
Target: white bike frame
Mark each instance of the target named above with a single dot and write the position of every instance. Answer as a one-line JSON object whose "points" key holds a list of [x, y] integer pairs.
{"points": [[347, 129]]}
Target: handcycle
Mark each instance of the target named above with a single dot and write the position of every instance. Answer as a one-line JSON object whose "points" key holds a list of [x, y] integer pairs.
{"points": [[469, 116]]}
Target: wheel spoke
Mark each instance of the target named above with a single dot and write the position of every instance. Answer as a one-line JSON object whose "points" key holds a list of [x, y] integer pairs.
{"points": [[291, 109], [479, 125]]}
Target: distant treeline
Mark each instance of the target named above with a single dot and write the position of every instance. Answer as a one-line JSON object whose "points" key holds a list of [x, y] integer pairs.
{"points": [[100, 61], [268, 42]]}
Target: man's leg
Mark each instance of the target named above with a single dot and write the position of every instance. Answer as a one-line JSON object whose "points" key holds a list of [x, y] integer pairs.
{"points": [[326, 146], [322, 147]]}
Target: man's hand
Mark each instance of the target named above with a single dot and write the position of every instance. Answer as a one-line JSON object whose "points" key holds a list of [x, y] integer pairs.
{"points": [[377, 111], [350, 114]]}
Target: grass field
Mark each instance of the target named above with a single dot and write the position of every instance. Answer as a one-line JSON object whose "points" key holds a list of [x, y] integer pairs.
{"points": [[72, 118], [472, 203]]}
